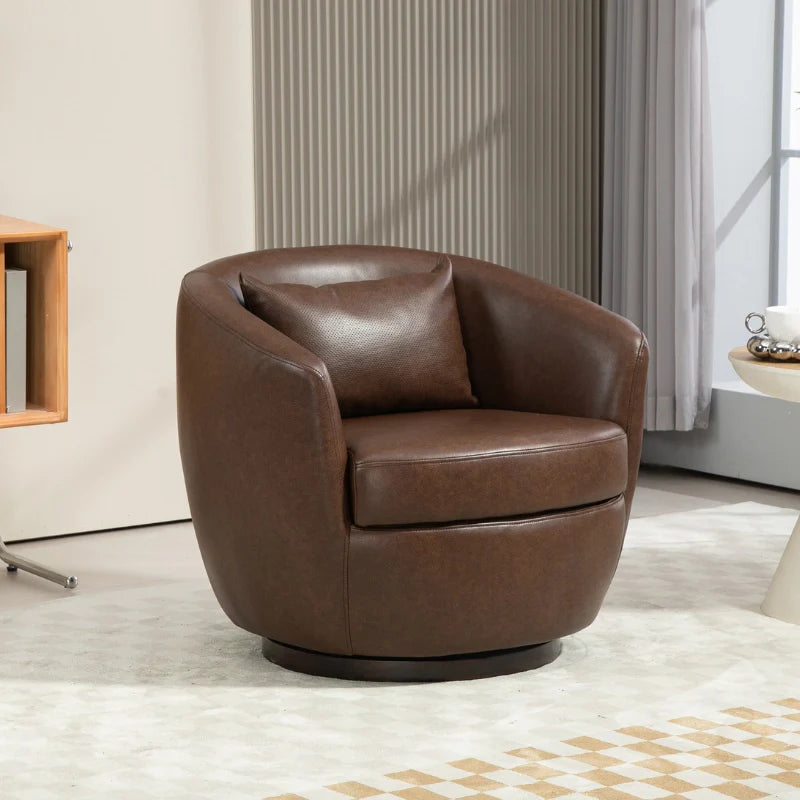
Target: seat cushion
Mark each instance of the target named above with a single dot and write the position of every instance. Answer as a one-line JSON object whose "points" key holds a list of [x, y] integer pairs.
{"points": [[473, 464], [390, 345]]}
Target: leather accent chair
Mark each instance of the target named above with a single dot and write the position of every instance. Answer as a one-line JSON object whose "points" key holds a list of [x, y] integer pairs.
{"points": [[426, 545]]}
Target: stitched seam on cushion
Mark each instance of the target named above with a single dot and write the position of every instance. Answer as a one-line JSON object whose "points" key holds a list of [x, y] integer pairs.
{"points": [[351, 460], [353, 483], [346, 589], [481, 456], [499, 523], [331, 418], [636, 367]]}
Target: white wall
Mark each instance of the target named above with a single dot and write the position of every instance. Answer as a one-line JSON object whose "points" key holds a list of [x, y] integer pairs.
{"points": [[130, 124], [740, 66]]}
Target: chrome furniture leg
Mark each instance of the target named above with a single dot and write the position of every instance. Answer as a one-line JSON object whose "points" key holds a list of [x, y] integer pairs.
{"points": [[18, 562]]}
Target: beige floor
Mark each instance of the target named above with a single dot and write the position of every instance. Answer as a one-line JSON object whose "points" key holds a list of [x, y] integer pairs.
{"points": [[139, 557]]}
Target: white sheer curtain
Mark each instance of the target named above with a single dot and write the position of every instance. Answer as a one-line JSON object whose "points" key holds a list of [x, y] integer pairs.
{"points": [[658, 215]]}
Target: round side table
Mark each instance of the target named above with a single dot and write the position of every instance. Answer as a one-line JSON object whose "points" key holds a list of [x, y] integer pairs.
{"points": [[782, 380]]}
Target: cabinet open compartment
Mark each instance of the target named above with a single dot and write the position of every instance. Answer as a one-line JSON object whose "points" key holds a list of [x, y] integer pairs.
{"points": [[42, 252]]}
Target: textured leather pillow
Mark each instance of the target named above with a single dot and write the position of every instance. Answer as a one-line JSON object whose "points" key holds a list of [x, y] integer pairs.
{"points": [[389, 345]]}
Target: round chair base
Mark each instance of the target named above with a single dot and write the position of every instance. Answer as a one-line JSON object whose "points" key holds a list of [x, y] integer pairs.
{"points": [[396, 670]]}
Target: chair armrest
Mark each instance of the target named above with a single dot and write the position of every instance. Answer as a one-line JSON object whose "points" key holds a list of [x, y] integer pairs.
{"points": [[535, 347], [264, 459]]}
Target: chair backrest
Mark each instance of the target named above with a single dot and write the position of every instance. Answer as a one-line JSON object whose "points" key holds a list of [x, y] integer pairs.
{"points": [[474, 280], [320, 265]]}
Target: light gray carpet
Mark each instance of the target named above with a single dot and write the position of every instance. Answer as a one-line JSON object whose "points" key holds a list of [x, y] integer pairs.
{"points": [[152, 693]]}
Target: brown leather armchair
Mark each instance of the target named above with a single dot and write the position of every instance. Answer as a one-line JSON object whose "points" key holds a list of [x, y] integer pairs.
{"points": [[418, 546]]}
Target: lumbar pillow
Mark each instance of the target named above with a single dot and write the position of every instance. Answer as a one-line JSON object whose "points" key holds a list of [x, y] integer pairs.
{"points": [[392, 344]]}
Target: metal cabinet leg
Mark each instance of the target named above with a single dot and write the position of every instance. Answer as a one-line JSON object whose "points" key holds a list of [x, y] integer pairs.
{"points": [[18, 562]]}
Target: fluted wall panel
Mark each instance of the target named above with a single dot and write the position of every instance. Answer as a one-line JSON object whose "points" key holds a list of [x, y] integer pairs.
{"points": [[469, 126]]}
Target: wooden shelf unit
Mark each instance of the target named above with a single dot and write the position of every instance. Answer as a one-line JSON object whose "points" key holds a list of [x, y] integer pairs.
{"points": [[42, 252]]}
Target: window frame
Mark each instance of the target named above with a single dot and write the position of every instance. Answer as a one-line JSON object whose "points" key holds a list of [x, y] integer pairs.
{"points": [[781, 154]]}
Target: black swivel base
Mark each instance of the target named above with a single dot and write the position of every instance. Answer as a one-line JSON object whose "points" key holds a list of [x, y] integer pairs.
{"points": [[416, 670]]}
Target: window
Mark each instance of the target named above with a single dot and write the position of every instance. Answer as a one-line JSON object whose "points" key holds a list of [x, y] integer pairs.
{"points": [[786, 270]]}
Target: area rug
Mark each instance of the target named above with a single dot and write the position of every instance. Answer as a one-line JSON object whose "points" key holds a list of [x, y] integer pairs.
{"points": [[681, 688]]}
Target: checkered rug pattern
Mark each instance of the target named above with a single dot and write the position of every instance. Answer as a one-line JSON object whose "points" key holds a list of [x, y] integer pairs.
{"points": [[745, 753]]}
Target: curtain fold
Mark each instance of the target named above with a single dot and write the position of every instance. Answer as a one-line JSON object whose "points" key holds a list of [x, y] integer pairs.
{"points": [[658, 215]]}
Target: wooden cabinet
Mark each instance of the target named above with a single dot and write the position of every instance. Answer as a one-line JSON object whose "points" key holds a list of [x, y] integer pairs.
{"points": [[42, 252]]}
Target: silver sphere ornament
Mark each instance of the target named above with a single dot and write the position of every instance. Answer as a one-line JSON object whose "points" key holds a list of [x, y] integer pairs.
{"points": [[782, 351], [758, 346]]}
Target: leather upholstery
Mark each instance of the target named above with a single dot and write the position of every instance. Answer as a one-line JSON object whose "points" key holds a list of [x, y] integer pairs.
{"points": [[265, 462], [473, 464], [392, 344], [469, 588], [552, 352]]}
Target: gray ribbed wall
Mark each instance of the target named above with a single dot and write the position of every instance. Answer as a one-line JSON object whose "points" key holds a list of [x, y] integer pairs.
{"points": [[469, 126]]}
